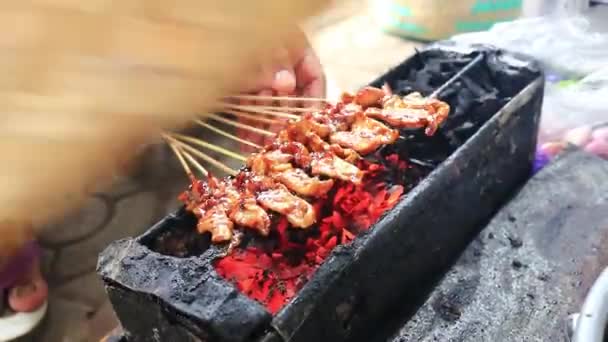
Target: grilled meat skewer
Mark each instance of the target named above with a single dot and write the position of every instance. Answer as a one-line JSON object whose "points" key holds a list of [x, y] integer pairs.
{"points": [[321, 144]]}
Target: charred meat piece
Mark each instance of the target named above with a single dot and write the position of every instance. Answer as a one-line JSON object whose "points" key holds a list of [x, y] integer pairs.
{"points": [[298, 212], [301, 155], [365, 136], [244, 210], [400, 117], [247, 213], [369, 97], [216, 222], [275, 196], [319, 145], [325, 143], [330, 165], [412, 111], [276, 164], [224, 206], [269, 162], [301, 183], [211, 212], [315, 123]]}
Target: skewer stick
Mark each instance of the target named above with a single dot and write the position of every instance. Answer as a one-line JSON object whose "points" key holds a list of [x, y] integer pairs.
{"points": [[226, 134], [272, 110], [277, 98], [255, 109], [285, 109], [178, 154], [240, 125], [253, 117], [206, 158], [209, 146], [462, 71], [196, 164]]}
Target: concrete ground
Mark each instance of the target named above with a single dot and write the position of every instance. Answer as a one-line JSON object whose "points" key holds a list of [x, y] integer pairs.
{"points": [[353, 52]]}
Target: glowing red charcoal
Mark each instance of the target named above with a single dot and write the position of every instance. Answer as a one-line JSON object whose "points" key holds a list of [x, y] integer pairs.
{"points": [[273, 276]]}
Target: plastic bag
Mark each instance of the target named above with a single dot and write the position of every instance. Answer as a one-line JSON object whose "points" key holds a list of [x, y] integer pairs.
{"points": [[576, 113], [575, 57], [567, 46], [573, 104]]}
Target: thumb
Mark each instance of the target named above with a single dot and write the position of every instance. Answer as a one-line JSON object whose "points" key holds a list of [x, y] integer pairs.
{"points": [[284, 82]]}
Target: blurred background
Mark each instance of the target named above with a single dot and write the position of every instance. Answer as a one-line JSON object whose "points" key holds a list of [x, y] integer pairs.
{"points": [[356, 41]]}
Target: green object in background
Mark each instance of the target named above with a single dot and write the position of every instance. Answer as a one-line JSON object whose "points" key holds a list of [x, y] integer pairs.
{"points": [[482, 7], [401, 10], [429, 20], [471, 26], [405, 26], [566, 83], [490, 6]]}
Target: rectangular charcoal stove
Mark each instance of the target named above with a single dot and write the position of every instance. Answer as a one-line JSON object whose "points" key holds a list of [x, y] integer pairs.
{"points": [[164, 287]]}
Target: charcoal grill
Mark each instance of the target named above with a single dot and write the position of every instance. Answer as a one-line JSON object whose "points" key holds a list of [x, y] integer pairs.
{"points": [[482, 154]]}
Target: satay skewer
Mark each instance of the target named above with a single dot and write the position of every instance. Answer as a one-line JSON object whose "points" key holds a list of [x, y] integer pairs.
{"points": [[278, 98], [257, 109], [255, 117], [204, 157], [239, 125], [240, 111], [434, 95], [284, 109], [182, 149], [178, 154], [209, 146], [196, 164], [226, 134]]}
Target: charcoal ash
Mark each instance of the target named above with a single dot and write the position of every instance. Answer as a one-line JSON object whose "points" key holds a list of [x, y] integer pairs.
{"points": [[181, 240]]}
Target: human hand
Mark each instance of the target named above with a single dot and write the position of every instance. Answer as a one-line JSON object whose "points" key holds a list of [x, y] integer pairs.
{"points": [[295, 71]]}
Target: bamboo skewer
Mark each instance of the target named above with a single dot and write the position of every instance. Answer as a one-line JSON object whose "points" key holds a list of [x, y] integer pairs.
{"points": [[240, 125], [196, 164], [296, 110], [181, 154], [209, 146], [277, 98], [265, 109], [254, 117], [226, 134], [178, 154], [255, 109], [248, 112], [207, 158]]}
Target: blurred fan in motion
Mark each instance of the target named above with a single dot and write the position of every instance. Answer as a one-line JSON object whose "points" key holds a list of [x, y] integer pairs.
{"points": [[85, 83]]}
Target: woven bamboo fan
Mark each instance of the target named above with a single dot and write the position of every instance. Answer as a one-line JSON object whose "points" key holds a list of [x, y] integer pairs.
{"points": [[83, 83]]}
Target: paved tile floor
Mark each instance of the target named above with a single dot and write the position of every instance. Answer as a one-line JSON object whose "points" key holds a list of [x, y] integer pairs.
{"points": [[353, 52]]}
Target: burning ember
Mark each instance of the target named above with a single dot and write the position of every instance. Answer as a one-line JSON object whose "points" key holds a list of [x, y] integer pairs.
{"points": [[273, 274]]}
